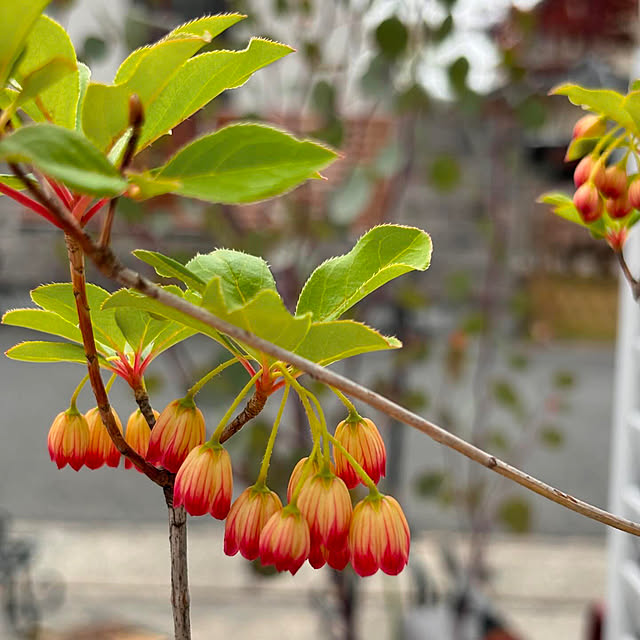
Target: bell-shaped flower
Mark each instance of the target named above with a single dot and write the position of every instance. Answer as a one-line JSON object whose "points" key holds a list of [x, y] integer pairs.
{"points": [[179, 428], [379, 536], [248, 515], [68, 439], [137, 435], [285, 541], [363, 441], [325, 503], [204, 483], [296, 474], [101, 449]]}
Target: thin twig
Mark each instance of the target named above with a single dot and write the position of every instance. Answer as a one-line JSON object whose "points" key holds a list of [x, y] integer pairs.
{"points": [[633, 283], [109, 265], [253, 407]]}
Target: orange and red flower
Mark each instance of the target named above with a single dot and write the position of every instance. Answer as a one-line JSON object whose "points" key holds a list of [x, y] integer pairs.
{"points": [[285, 541], [179, 428], [68, 439], [379, 536], [325, 503], [204, 483], [137, 435], [248, 516], [101, 449], [363, 441]]}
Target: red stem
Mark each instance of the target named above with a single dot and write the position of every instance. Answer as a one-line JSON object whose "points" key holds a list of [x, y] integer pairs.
{"points": [[29, 203], [93, 210], [62, 192]]}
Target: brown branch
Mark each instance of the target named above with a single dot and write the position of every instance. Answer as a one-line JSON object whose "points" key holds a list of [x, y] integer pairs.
{"points": [[109, 266], [180, 600], [253, 407], [76, 263], [633, 283], [142, 400]]}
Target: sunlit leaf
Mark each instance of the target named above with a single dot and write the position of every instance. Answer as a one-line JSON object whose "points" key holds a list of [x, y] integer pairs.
{"points": [[383, 253], [38, 351]]}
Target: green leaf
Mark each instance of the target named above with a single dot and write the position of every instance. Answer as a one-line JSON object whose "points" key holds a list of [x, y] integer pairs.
{"points": [[632, 107], [563, 206], [206, 28], [200, 80], [515, 514], [328, 342], [105, 112], [580, 147], [15, 24], [430, 483], [564, 380], [84, 77], [138, 327], [244, 163], [58, 297], [602, 101], [392, 37], [551, 437], [39, 351], [264, 315], [125, 298], [383, 253], [10, 180], [505, 395], [444, 172], [48, 46], [43, 320], [64, 155], [169, 268], [242, 276], [172, 334], [42, 78]]}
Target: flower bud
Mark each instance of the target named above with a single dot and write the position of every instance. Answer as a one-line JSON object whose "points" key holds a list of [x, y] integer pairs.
{"points": [[589, 126], [616, 238], [583, 171], [614, 182], [587, 202], [204, 483], [618, 207], [68, 439], [137, 435], [246, 520], [101, 449], [325, 503], [634, 193], [285, 540], [379, 536], [296, 474], [179, 428], [364, 442]]}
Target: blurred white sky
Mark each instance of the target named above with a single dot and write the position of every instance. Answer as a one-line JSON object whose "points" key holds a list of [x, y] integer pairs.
{"points": [[471, 18]]}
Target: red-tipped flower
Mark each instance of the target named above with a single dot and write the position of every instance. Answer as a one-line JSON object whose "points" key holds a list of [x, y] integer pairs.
{"points": [[137, 435], [326, 504], [204, 483], [379, 536], [614, 182], [583, 171], [68, 439], [101, 449], [589, 126], [296, 474], [285, 541], [618, 207], [634, 193], [588, 202], [179, 428], [364, 442], [248, 516]]}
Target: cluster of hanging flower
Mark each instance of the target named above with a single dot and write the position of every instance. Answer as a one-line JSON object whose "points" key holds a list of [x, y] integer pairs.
{"points": [[603, 187], [319, 523]]}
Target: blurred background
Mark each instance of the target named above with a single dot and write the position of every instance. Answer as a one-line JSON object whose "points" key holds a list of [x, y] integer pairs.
{"points": [[440, 111]]}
